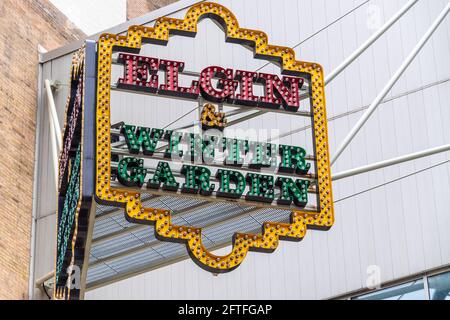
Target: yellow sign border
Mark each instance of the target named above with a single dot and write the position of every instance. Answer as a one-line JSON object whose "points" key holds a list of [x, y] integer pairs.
{"points": [[272, 232]]}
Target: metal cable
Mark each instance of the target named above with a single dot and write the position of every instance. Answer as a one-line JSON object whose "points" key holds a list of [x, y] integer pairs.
{"points": [[322, 29], [392, 181], [344, 114], [295, 46], [181, 117]]}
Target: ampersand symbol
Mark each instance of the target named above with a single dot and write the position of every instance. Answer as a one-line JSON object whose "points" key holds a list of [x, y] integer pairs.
{"points": [[212, 119]]}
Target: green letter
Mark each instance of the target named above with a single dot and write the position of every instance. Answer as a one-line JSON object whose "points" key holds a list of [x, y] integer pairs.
{"points": [[209, 145], [290, 191], [293, 160], [174, 139], [235, 148], [163, 175], [141, 137], [261, 188], [197, 178], [131, 172], [194, 153], [226, 177], [264, 154]]}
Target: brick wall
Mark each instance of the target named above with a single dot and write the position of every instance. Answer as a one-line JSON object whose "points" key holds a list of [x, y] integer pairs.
{"points": [[137, 8], [23, 25]]}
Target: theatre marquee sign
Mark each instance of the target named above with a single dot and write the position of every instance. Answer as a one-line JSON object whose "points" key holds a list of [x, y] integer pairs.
{"points": [[294, 178]]}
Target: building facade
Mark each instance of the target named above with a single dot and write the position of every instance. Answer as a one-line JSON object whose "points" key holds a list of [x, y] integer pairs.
{"points": [[25, 25], [389, 238]]}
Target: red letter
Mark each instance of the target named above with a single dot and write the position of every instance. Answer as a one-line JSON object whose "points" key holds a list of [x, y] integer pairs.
{"points": [[279, 92], [226, 83], [137, 72], [171, 87], [246, 79]]}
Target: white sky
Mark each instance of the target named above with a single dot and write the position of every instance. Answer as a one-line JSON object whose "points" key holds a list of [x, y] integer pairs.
{"points": [[93, 16]]}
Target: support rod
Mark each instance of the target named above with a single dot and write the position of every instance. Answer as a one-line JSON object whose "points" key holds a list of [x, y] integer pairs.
{"points": [[347, 61], [390, 84], [52, 112], [390, 162], [369, 42], [359, 109], [39, 282], [53, 136], [54, 154]]}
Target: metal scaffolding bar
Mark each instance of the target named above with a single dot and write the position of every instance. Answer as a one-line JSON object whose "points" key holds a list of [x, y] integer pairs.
{"points": [[390, 162], [390, 84]]}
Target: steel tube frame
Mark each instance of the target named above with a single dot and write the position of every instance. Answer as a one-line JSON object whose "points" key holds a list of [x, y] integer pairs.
{"points": [[390, 84], [39, 282], [34, 218], [390, 162], [369, 42], [52, 112], [349, 60], [53, 137]]}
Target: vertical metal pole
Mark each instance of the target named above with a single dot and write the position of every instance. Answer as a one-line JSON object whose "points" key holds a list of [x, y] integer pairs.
{"points": [[31, 276], [390, 84]]}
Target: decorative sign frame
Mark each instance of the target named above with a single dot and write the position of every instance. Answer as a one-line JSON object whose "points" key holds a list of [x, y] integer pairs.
{"points": [[272, 232]]}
